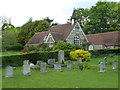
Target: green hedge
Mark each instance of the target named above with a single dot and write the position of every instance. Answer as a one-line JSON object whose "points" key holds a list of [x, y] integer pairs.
{"points": [[17, 60], [105, 51]]}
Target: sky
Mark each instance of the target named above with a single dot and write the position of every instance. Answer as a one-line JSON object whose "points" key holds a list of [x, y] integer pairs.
{"points": [[60, 10]]}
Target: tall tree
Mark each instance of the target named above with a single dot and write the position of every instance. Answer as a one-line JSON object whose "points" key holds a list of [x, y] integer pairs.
{"points": [[5, 23], [103, 17], [30, 28], [100, 20], [81, 15], [48, 20]]}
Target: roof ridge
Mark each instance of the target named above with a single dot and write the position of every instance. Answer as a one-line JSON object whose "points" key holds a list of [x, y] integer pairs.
{"points": [[103, 33]]}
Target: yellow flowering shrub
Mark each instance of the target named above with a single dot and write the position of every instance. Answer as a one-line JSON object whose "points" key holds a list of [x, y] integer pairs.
{"points": [[84, 55]]}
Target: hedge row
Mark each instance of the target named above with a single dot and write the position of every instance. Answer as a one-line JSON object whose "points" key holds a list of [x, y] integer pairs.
{"points": [[105, 51], [17, 60]]}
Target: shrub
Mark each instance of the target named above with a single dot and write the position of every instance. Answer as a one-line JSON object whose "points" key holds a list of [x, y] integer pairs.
{"points": [[84, 55], [15, 47], [17, 60], [61, 45]]}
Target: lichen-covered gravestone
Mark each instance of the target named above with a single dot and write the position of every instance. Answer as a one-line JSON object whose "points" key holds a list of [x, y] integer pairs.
{"points": [[9, 72], [69, 65], [61, 56], [102, 67], [26, 68], [51, 61], [43, 67], [57, 67], [114, 64]]}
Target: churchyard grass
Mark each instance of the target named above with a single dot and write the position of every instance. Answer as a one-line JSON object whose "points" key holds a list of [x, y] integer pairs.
{"points": [[88, 78]]}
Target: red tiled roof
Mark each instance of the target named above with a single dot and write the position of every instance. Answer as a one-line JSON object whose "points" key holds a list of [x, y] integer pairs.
{"points": [[108, 38], [59, 32], [64, 29], [38, 37]]}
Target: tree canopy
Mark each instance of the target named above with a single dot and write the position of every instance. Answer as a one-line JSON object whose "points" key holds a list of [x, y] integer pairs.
{"points": [[30, 28], [103, 17]]}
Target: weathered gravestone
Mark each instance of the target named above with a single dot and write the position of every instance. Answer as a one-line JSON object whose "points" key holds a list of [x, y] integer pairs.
{"points": [[114, 64], [79, 61], [102, 67], [69, 65], [9, 72], [39, 62], [43, 67], [61, 56], [57, 67], [51, 61], [26, 68]]}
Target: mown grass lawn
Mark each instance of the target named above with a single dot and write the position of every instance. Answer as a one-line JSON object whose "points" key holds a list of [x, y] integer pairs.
{"points": [[88, 78]]}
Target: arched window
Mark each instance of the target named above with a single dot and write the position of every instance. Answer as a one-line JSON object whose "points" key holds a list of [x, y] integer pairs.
{"points": [[76, 40], [90, 47]]}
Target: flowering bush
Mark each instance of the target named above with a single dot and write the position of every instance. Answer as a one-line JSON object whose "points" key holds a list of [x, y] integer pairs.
{"points": [[84, 55]]}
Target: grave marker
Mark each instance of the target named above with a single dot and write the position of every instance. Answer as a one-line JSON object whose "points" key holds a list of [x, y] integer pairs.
{"points": [[26, 68], [51, 61], [102, 67], [43, 67], [57, 67], [61, 56], [69, 65], [9, 72]]}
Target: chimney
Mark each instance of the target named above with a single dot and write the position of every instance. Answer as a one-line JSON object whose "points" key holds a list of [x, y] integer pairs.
{"points": [[72, 21]]}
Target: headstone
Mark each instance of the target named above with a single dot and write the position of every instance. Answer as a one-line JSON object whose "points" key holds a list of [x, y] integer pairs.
{"points": [[51, 61], [26, 68], [102, 67], [39, 62], [43, 67], [69, 65], [26, 62], [61, 56], [57, 67], [114, 64], [79, 61], [105, 59], [9, 72]]}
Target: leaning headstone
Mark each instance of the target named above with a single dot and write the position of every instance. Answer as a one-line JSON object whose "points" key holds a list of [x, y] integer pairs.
{"points": [[51, 61], [114, 64], [57, 67], [79, 61], [26, 68], [102, 67], [39, 62], [9, 72], [61, 56], [43, 67], [69, 65]]}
